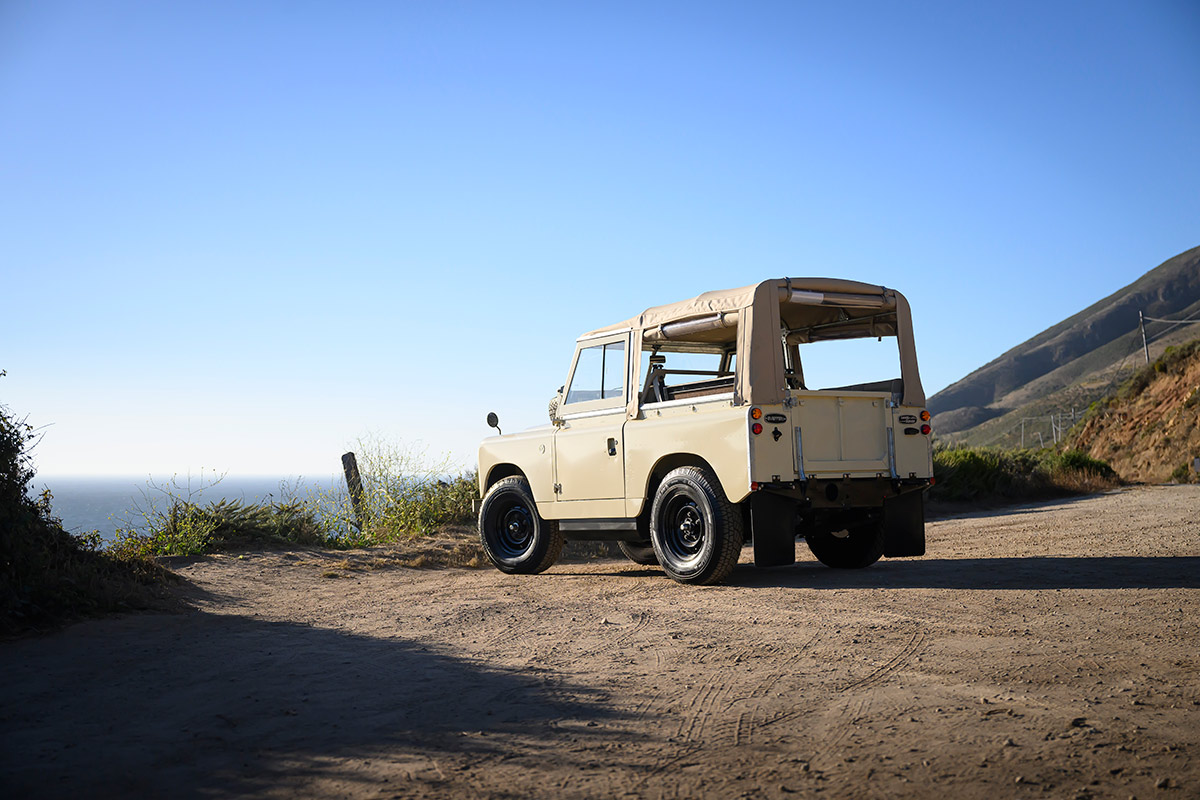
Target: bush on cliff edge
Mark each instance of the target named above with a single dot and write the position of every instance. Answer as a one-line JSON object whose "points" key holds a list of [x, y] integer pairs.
{"points": [[48, 575]]}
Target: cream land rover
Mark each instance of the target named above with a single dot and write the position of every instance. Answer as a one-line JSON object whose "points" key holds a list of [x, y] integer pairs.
{"points": [[683, 465]]}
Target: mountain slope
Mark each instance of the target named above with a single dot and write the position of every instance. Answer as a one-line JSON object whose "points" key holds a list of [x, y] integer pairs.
{"points": [[1149, 431], [1072, 363]]}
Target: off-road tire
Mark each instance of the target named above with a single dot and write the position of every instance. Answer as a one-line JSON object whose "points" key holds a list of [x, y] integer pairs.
{"points": [[694, 529], [639, 552], [854, 545], [514, 536]]}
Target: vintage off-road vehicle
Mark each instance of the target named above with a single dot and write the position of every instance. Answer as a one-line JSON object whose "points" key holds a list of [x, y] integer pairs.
{"points": [[689, 429]]}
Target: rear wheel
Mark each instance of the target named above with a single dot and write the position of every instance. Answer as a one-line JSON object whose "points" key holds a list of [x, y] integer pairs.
{"points": [[852, 543], [639, 552], [514, 536], [694, 529]]}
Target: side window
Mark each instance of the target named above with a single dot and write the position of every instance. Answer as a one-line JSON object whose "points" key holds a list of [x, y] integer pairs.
{"points": [[614, 371], [599, 374]]}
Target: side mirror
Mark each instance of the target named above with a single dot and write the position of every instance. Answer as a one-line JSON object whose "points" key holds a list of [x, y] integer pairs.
{"points": [[493, 421]]}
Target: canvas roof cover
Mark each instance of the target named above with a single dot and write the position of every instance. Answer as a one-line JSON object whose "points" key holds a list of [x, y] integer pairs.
{"points": [[753, 317]]}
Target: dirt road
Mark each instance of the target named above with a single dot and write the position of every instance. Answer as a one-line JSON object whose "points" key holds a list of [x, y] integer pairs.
{"points": [[1047, 651]]}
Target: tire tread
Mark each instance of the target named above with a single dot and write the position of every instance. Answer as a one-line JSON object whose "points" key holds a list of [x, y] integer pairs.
{"points": [[547, 528], [725, 515]]}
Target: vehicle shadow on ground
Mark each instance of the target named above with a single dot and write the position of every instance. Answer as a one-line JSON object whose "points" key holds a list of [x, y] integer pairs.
{"points": [[208, 705], [1031, 572]]}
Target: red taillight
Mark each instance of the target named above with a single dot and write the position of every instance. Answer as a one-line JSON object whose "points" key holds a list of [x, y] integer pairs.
{"points": [[925, 429], [757, 427], [754, 486]]}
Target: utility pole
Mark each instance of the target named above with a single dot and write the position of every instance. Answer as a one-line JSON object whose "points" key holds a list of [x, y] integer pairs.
{"points": [[1142, 324], [1022, 433]]}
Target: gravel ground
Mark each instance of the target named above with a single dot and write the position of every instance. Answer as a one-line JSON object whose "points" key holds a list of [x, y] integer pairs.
{"points": [[1049, 650]]}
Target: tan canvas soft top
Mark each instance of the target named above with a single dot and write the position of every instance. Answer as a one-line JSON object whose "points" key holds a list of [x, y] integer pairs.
{"points": [[810, 309]]}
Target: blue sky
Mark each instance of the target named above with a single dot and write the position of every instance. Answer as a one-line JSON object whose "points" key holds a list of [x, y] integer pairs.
{"points": [[238, 236]]}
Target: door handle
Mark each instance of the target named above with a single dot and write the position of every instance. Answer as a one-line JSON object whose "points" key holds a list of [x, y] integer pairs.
{"points": [[612, 447]]}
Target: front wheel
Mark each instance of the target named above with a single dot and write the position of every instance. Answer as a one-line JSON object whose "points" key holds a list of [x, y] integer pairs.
{"points": [[514, 536], [853, 545], [694, 529]]}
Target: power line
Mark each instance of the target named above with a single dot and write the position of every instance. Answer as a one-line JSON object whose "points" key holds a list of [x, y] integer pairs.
{"points": [[1143, 319], [1173, 321]]}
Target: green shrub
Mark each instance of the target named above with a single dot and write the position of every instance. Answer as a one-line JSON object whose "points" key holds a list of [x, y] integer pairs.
{"points": [[1076, 461], [184, 527], [48, 575], [405, 495], [1182, 474], [992, 475], [1137, 384], [1172, 361]]}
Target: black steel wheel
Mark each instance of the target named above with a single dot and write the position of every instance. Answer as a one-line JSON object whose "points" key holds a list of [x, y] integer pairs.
{"points": [[514, 536], [639, 552], [851, 543], [694, 529]]}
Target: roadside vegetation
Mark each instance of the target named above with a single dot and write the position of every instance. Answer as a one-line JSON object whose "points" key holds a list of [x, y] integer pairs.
{"points": [[405, 495], [48, 575], [987, 475], [173, 520]]}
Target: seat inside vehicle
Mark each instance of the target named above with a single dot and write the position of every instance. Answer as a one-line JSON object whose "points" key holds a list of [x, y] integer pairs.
{"points": [[657, 391]]}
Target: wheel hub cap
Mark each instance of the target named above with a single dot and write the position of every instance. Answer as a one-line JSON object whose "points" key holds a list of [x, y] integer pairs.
{"points": [[514, 531]]}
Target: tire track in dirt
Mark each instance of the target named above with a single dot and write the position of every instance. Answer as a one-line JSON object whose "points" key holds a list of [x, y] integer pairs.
{"points": [[849, 704], [756, 698], [914, 645], [698, 708]]}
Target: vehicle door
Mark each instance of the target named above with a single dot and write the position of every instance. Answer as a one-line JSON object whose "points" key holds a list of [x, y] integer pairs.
{"points": [[589, 459]]}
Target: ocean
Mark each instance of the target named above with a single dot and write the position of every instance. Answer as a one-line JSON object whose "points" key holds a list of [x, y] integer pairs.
{"points": [[104, 503]]}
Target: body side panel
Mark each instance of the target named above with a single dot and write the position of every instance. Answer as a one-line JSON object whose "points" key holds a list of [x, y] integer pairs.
{"points": [[715, 431], [589, 457], [914, 453], [772, 457]]}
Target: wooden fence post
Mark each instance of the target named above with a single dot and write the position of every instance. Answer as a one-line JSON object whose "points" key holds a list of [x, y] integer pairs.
{"points": [[354, 485]]}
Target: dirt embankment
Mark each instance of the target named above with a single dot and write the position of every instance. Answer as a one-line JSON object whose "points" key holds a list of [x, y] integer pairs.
{"points": [[1044, 651], [1152, 434]]}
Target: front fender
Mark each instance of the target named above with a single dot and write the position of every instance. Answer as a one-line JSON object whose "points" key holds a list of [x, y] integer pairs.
{"points": [[529, 453]]}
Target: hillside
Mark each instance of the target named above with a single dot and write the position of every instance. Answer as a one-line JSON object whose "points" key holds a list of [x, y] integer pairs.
{"points": [[1150, 430], [1070, 365]]}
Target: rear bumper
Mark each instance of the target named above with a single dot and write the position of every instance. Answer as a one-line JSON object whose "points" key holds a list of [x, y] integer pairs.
{"points": [[845, 492]]}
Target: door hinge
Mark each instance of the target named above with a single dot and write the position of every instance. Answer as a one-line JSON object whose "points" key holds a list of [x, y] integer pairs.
{"points": [[558, 488]]}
